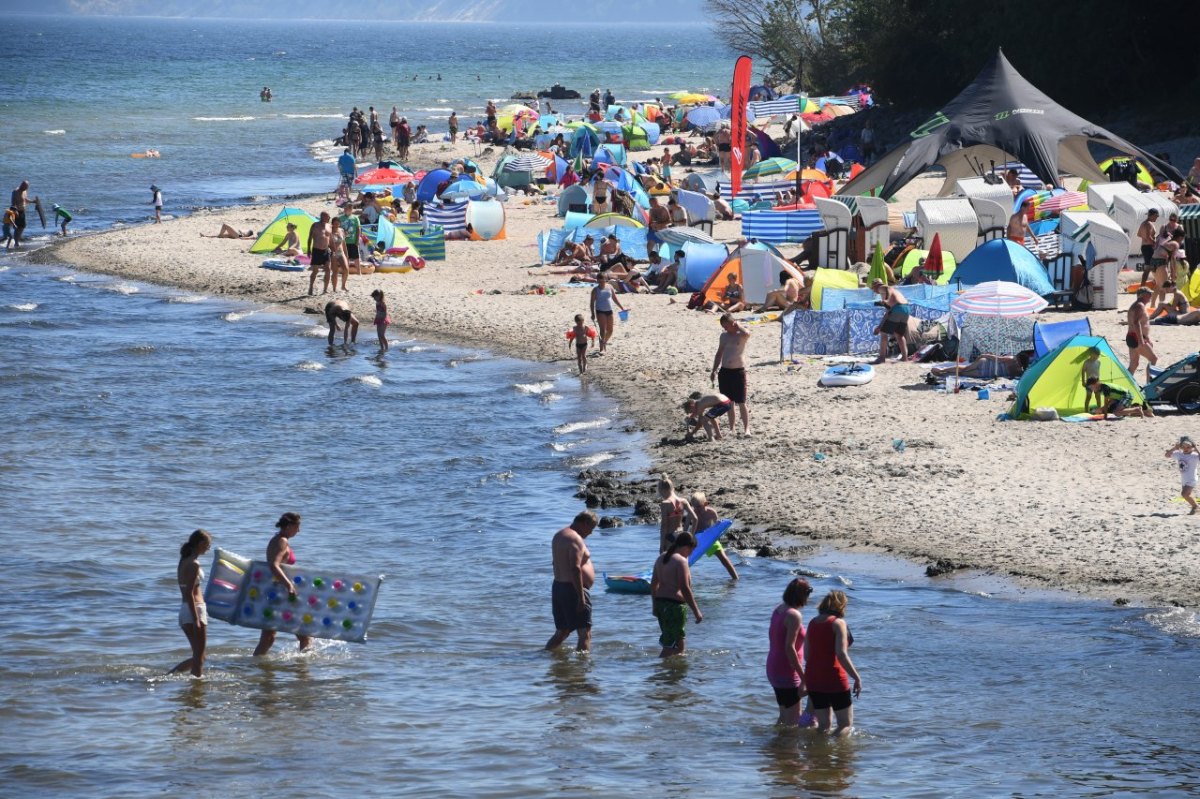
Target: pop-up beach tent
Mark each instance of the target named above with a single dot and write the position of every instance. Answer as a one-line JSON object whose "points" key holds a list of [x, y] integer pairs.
{"points": [[274, 233], [756, 269], [1053, 381], [1000, 117], [1001, 259]]}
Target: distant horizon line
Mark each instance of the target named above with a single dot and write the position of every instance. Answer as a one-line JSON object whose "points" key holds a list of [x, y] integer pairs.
{"points": [[541, 23]]}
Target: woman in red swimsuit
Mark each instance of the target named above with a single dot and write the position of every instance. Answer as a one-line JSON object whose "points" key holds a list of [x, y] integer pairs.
{"points": [[279, 552], [827, 665]]}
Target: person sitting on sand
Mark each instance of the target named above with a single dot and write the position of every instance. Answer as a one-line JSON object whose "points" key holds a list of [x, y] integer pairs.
{"points": [[669, 274], [733, 296], [576, 253], [1117, 401], [290, 246], [678, 214], [229, 232], [705, 411], [724, 210], [1168, 313], [610, 253], [988, 366], [784, 299]]}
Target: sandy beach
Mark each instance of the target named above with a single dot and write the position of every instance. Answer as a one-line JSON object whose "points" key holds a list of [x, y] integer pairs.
{"points": [[1087, 507]]}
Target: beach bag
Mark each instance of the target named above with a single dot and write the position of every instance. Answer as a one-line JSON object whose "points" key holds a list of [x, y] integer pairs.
{"points": [[696, 301], [1045, 415]]}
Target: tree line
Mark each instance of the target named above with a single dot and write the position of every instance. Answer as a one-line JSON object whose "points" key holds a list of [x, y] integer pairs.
{"points": [[1090, 55]]}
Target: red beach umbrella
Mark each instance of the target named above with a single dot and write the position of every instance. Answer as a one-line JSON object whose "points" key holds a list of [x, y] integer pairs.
{"points": [[933, 261]]}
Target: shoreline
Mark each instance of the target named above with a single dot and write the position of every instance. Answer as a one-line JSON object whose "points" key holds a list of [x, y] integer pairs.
{"points": [[969, 494]]}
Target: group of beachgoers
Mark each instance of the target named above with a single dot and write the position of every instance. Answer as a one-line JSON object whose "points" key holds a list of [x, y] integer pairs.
{"points": [[193, 612], [803, 663]]}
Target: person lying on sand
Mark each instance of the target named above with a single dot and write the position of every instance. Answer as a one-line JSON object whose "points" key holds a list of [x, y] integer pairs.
{"points": [[987, 366], [229, 232], [787, 298]]}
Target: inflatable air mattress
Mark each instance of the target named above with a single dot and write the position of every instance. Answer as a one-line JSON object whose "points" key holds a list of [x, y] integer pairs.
{"points": [[848, 374], [283, 264], [327, 605], [640, 583]]}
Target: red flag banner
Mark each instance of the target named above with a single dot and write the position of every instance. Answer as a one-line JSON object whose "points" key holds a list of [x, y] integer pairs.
{"points": [[737, 119]]}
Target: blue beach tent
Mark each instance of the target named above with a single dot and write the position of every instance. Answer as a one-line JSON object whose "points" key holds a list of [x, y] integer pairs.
{"points": [[1001, 259]]}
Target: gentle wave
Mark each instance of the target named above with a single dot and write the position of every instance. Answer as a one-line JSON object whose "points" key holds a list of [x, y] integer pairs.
{"points": [[237, 316], [367, 380], [55, 132], [24, 306], [564, 446], [121, 288], [549, 397], [310, 366], [223, 119], [1176, 621], [313, 116], [534, 388], [588, 461], [315, 331], [186, 298], [575, 427]]}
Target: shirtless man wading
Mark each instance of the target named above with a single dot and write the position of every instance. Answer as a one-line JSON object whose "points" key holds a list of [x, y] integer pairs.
{"points": [[574, 575], [318, 248], [729, 368]]}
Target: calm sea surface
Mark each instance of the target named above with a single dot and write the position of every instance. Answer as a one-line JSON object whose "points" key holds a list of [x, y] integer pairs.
{"points": [[80, 95], [133, 414]]}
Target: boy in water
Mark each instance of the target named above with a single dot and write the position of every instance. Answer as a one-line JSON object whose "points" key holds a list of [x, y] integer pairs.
{"points": [[63, 217], [10, 225], [1188, 458], [671, 589], [580, 335], [706, 517]]}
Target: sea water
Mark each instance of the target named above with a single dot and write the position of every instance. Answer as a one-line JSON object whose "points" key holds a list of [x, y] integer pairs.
{"points": [[82, 94], [132, 414]]}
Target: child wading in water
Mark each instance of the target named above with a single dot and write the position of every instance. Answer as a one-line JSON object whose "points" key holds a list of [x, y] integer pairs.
{"points": [[1188, 458], [671, 588], [706, 517], [581, 334], [382, 320]]}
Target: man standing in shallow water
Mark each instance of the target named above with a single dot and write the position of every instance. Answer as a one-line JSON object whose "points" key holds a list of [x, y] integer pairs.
{"points": [[729, 368], [574, 575]]}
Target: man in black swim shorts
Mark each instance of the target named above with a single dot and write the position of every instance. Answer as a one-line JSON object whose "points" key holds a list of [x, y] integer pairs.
{"points": [[318, 248], [729, 368], [574, 574]]}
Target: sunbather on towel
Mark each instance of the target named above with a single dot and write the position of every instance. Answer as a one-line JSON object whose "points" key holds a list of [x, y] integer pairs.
{"points": [[987, 366]]}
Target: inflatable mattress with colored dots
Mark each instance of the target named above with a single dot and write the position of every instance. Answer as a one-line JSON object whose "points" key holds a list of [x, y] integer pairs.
{"points": [[327, 604]]}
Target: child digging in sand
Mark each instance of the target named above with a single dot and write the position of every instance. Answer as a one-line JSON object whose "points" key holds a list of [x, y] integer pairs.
{"points": [[580, 335], [1188, 458]]}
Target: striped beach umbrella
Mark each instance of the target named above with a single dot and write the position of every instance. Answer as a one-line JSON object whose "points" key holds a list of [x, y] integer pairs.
{"points": [[933, 262], [998, 298], [529, 162], [770, 166]]}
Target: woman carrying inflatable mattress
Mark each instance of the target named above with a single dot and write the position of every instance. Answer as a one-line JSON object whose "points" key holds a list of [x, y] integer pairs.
{"points": [[279, 551]]}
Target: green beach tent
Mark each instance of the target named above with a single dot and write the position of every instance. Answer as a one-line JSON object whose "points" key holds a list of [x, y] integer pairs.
{"points": [[274, 233], [1056, 379]]}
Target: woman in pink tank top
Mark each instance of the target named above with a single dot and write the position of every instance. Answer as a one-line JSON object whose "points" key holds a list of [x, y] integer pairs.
{"points": [[786, 635]]}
